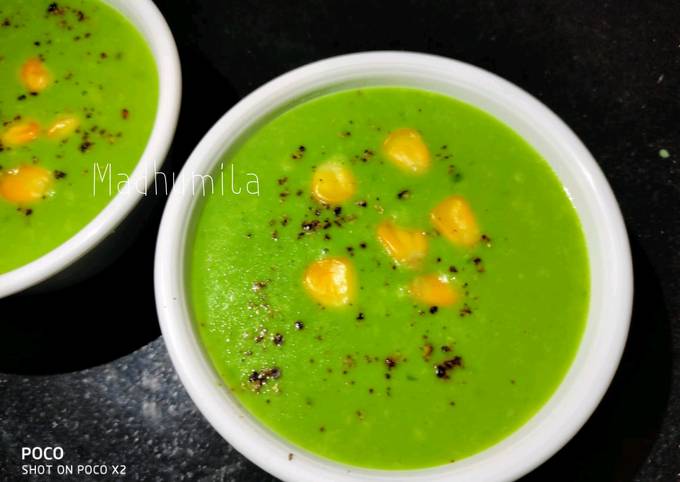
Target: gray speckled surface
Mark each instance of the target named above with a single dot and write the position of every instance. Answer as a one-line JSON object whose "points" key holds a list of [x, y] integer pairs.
{"points": [[133, 411]]}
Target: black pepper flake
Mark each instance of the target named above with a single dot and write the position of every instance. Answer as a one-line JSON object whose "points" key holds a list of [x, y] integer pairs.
{"points": [[299, 152], [28, 212], [299, 325], [405, 194], [125, 114], [366, 155], [278, 339], [54, 8], [309, 226], [390, 362], [21, 97], [259, 285], [290, 457], [453, 269], [59, 174], [465, 310], [360, 316], [442, 370], [486, 240], [85, 146], [434, 309], [362, 245], [454, 174], [282, 181], [337, 211], [6, 23], [260, 378], [478, 264], [362, 204]]}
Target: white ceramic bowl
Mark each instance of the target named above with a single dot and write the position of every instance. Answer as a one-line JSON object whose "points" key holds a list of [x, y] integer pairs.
{"points": [[87, 250], [610, 264]]}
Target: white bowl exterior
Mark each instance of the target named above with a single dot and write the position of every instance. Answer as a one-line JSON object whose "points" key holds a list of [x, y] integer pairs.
{"points": [[610, 265], [150, 22]]}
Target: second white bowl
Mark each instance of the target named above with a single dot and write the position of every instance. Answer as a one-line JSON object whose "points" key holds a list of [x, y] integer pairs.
{"points": [[95, 245]]}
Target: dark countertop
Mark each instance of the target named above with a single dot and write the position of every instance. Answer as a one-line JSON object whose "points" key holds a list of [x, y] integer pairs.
{"points": [[80, 368]]}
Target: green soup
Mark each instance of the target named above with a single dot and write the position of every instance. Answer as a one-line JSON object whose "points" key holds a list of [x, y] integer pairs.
{"points": [[78, 98], [389, 380]]}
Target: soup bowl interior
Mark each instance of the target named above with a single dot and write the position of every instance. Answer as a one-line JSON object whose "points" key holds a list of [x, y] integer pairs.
{"points": [[608, 250], [60, 266]]}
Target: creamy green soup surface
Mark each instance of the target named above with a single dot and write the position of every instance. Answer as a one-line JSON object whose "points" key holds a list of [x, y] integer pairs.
{"points": [[409, 287], [78, 98]]}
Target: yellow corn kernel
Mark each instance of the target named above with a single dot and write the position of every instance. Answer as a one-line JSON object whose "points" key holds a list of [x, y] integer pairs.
{"points": [[35, 76], [406, 148], [433, 291], [21, 133], [63, 127], [331, 281], [453, 218], [25, 184], [333, 183], [406, 246]]}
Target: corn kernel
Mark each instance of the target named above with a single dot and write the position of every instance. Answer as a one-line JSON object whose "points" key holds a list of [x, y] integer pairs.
{"points": [[63, 127], [406, 246], [25, 184], [453, 218], [21, 133], [35, 76], [406, 148], [331, 281], [433, 290], [333, 183]]}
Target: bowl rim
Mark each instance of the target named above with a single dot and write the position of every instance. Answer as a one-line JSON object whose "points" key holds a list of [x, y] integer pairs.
{"points": [[151, 24], [540, 437]]}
